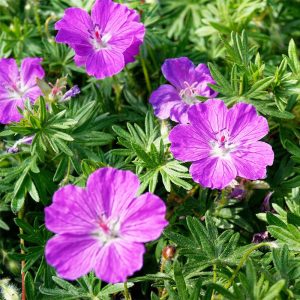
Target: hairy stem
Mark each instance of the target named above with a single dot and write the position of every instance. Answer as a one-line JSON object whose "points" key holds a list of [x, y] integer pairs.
{"points": [[20, 216], [126, 292], [147, 78]]}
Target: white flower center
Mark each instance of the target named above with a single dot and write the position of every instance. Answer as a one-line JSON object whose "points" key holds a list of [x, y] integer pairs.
{"points": [[16, 91], [98, 39], [107, 229], [189, 93], [222, 146]]}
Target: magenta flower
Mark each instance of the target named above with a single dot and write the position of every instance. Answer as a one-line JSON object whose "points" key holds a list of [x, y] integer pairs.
{"points": [[105, 41], [102, 227], [16, 87], [222, 143], [187, 82]]}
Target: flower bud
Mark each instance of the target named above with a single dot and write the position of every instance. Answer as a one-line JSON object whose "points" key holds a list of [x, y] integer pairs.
{"points": [[168, 252]]}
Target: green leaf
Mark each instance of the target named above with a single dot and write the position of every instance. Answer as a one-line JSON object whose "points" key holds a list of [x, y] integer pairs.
{"points": [[180, 283], [200, 234], [275, 290], [29, 286]]}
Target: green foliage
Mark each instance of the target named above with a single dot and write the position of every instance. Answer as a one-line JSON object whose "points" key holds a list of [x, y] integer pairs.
{"points": [[252, 49]]}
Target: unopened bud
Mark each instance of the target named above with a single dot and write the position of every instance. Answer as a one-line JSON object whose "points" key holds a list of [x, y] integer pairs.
{"points": [[168, 252]]}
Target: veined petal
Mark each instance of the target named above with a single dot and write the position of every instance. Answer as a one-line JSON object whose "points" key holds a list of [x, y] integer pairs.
{"points": [[163, 100], [251, 160], [245, 125], [71, 211], [209, 118], [9, 73], [9, 110], [72, 255], [112, 190], [144, 219], [213, 172], [178, 70], [74, 27], [187, 144], [31, 69], [179, 113], [119, 260], [105, 63]]}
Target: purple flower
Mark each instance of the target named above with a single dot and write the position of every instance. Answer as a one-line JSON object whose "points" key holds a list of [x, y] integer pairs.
{"points": [[16, 87], [102, 227], [105, 41], [25, 140], [260, 237], [70, 93], [187, 82], [266, 203], [222, 143]]}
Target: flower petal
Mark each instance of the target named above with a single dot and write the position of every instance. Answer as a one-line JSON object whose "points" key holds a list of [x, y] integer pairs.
{"points": [[102, 11], [209, 118], [9, 72], [71, 211], [105, 63], [31, 69], [9, 110], [163, 100], [72, 255], [179, 113], [245, 125], [32, 93], [80, 60], [132, 51], [144, 219], [187, 144], [252, 160], [111, 190], [178, 70], [118, 260], [213, 172], [74, 27]]}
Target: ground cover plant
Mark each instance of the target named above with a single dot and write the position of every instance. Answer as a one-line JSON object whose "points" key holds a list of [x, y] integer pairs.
{"points": [[149, 149]]}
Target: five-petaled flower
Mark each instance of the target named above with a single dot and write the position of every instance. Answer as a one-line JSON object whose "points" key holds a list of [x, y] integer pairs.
{"points": [[222, 143], [187, 82], [102, 227], [105, 41], [17, 86]]}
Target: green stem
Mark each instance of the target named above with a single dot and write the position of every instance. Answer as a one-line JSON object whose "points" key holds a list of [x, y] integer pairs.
{"points": [[214, 279], [126, 292], [21, 216], [50, 38], [145, 71], [37, 15], [243, 260]]}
